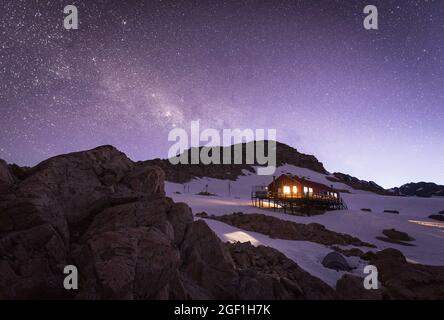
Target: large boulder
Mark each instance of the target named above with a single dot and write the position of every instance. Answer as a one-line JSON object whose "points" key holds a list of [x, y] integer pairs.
{"points": [[67, 208], [336, 261], [288, 230]]}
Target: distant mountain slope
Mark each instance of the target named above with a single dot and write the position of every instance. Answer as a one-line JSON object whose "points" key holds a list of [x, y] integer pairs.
{"points": [[420, 189], [358, 184], [285, 154]]}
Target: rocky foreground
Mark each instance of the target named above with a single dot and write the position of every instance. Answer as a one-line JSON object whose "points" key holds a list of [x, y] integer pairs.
{"points": [[110, 218]]}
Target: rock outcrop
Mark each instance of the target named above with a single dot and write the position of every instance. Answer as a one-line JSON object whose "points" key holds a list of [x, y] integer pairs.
{"points": [[288, 230], [336, 261], [420, 189]]}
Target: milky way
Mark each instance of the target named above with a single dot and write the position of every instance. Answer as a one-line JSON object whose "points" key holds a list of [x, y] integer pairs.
{"points": [[368, 103]]}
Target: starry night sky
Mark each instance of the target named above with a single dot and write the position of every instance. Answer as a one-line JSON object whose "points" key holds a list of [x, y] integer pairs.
{"points": [[367, 103]]}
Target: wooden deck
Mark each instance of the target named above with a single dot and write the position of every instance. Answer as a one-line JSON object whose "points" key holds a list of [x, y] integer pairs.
{"points": [[296, 204]]}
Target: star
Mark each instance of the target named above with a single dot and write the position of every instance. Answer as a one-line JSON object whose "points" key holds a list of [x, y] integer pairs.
{"points": [[130, 73]]}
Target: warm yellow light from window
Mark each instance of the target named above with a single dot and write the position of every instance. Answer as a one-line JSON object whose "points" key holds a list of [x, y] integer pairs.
{"points": [[295, 189], [286, 189]]}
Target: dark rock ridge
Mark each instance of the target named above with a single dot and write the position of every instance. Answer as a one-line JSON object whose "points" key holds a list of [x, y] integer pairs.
{"points": [[358, 184], [288, 230], [438, 216], [182, 173], [109, 217], [420, 189], [396, 237]]}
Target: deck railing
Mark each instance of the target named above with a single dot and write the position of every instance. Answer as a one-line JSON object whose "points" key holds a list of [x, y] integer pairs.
{"points": [[311, 195], [296, 202]]}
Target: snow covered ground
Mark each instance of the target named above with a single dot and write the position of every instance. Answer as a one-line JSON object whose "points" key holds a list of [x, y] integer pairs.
{"points": [[242, 187], [234, 196]]}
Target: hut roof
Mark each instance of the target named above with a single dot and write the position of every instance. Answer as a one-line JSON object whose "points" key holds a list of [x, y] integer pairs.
{"points": [[306, 183]]}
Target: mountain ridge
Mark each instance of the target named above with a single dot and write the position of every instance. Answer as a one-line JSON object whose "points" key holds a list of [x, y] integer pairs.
{"points": [[420, 189], [181, 173]]}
